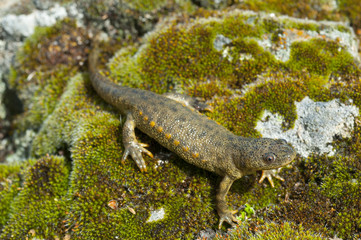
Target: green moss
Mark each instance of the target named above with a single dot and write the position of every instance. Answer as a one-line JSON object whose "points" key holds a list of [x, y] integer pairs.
{"points": [[60, 127], [179, 56], [337, 180], [322, 58], [307, 9], [10, 187], [250, 61], [96, 154], [343, 28], [208, 89], [241, 114], [302, 25], [45, 99], [175, 55], [48, 47], [125, 65], [241, 80], [147, 5], [271, 25], [351, 9], [270, 230], [48, 59], [99, 178], [236, 26], [39, 208]]}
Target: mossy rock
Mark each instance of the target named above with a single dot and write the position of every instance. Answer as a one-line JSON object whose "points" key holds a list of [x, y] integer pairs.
{"points": [[241, 76]]}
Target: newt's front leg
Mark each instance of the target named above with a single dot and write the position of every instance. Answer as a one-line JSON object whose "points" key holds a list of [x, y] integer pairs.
{"points": [[269, 174], [132, 146], [224, 213]]}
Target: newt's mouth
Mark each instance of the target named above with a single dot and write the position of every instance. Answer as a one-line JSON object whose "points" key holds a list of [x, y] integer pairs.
{"points": [[291, 156]]}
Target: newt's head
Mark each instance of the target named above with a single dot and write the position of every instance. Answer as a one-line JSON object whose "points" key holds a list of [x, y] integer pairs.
{"points": [[264, 154]]}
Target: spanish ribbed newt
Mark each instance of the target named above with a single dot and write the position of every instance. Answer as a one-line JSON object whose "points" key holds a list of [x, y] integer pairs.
{"points": [[174, 122]]}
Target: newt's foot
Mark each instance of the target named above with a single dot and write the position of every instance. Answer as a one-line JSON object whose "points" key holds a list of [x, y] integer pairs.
{"points": [[269, 174], [227, 216], [201, 106], [135, 150]]}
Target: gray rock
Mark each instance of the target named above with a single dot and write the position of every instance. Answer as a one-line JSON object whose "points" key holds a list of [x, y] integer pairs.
{"points": [[24, 25], [13, 30], [315, 128], [220, 41], [206, 234], [156, 215], [329, 30], [22, 144], [43, 4]]}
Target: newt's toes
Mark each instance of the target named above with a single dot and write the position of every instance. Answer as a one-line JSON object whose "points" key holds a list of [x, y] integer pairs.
{"points": [[135, 150], [269, 174], [229, 218]]}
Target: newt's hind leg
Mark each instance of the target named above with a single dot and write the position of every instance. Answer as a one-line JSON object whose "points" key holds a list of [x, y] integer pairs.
{"points": [[189, 102], [132, 146]]}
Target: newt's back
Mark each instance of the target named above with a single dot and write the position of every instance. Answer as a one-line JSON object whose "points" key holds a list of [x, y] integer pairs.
{"points": [[191, 135]]}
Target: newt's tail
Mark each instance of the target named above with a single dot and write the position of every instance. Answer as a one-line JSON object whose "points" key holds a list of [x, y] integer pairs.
{"points": [[108, 90]]}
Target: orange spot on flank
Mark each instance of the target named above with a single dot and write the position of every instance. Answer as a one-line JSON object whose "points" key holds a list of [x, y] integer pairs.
{"points": [[176, 142], [140, 113], [152, 124], [186, 149], [145, 118], [195, 155], [168, 136]]}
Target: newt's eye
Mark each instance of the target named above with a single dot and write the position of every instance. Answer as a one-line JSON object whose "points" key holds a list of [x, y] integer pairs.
{"points": [[269, 157]]}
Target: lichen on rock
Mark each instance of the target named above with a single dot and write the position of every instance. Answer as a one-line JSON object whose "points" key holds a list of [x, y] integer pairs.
{"points": [[316, 126], [243, 63]]}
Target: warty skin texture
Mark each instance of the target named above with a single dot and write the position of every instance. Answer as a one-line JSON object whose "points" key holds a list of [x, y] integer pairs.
{"points": [[191, 135]]}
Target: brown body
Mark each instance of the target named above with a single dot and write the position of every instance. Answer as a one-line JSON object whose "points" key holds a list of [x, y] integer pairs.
{"points": [[191, 135]]}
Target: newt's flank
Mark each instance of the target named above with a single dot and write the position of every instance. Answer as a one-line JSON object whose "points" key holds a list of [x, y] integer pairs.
{"points": [[174, 122]]}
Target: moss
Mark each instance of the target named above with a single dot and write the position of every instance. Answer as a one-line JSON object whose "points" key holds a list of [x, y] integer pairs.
{"points": [[322, 57], [330, 196], [148, 5], [318, 10], [351, 8], [60, 127], [48, 59], [103, 194], [124, 63], [302, 25], [97, 153], [248, 68], [241, 114], [271, 25], [208, 89], [177, 54], [10, 187], [38, 209], [49, 47], [270, 230], [236, 26], [343, 28]]}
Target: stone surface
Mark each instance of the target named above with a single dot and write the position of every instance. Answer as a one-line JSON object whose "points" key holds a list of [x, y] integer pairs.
{"points": [[23, 25], [317, 125], [156, 215]]}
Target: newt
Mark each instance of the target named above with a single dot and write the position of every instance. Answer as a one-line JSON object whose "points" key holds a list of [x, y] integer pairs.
{"points": [[174, 122]]}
